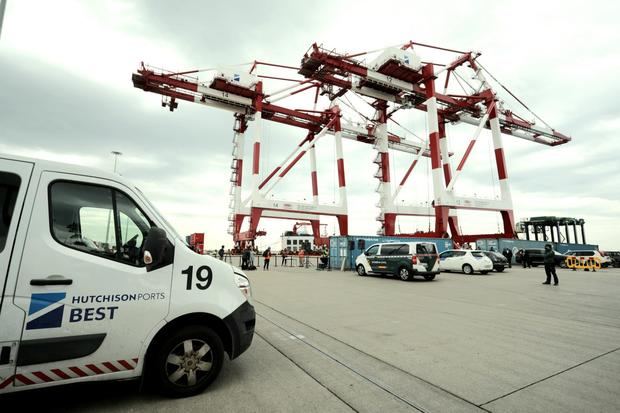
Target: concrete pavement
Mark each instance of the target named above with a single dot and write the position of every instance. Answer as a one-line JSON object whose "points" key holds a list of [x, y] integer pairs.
{"points": [[480, 338], [334, 341]]}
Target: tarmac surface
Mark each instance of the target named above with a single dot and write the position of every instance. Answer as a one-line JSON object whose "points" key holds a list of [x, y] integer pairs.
{"points": [[331, 341]]}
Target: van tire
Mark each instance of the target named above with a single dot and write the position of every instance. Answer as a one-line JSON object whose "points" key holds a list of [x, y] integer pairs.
{"points": [[175, 347], [361, 271], [430, 277], [404, 274], [467, 269]]}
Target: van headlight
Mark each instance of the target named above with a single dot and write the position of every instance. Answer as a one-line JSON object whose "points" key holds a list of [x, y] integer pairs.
{"points": [[244, 285]]}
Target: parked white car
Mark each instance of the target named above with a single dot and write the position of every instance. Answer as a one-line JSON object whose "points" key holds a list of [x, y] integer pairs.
{"points": [[605, 260], [465, 261]]}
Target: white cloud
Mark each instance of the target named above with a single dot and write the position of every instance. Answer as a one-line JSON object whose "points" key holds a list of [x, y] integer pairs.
{"points": [[182, 160]]}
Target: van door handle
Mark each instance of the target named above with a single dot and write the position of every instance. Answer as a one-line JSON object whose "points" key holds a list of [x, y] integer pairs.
{"points": [[52, 280]]}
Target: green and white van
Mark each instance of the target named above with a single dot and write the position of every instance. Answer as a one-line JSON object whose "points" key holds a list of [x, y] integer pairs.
{"points": [[402, 259]]}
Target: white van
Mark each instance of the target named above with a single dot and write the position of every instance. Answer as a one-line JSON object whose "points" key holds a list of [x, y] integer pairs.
{"points": [[401, 259], [96, 285]]}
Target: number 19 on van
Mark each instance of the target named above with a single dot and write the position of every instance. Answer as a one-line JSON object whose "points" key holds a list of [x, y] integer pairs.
{"points": [[203, 274]]}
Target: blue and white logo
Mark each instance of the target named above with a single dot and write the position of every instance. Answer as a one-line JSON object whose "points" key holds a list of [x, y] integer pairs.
{"points": [[236, 78], [45, 311]]}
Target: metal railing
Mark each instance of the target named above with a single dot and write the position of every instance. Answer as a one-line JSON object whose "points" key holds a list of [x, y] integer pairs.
{"points": [[307, 261]]}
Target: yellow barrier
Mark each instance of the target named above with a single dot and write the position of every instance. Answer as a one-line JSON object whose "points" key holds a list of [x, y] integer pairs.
{"points": [[583, 263]]}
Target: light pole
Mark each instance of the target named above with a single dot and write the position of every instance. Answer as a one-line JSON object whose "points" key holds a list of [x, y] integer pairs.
{"points": [[116, 155], [2, 8]]}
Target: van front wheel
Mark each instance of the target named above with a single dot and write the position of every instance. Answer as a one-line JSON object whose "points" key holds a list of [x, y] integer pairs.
{"points": [[361, 271], [188, 361]]}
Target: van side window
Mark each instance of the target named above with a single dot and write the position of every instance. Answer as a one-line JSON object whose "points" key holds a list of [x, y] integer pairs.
{"points": [[401, 249], [425, 249], [83, 218], [372, 250], [9, 187], [97, 220]]}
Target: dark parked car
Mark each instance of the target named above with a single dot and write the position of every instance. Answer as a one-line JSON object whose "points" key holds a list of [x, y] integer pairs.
{"points": [[537, 257], [615, 258], [499, 261]]}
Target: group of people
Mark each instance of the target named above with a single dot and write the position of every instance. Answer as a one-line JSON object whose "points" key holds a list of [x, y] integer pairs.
{"points": [[248, 255], [302, 256]]}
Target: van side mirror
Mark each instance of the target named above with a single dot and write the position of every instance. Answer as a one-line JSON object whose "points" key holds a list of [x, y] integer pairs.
{"points": [[158, 251]]}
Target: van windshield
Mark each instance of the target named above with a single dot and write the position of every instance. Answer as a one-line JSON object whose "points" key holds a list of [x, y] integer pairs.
{"points": [[161, 216]]}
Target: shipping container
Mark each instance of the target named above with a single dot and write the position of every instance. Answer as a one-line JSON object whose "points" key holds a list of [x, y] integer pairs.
{"points": [[343, 250], [197, 238]]}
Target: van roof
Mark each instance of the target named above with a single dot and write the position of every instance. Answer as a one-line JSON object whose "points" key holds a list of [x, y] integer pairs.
{"points": [[64, 167]]}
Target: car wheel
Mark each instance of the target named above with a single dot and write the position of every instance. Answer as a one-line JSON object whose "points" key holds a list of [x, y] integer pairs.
{"points": [[467, 269], [361, 271], [534, 265], [484, 272], [404, 274], [430, 277], [187, 362], [500, 269]]}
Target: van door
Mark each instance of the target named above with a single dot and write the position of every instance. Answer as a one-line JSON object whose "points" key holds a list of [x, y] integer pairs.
{"points": [[89, 301], [427, 255], [398, 256], [371, 256], [14, 181]]}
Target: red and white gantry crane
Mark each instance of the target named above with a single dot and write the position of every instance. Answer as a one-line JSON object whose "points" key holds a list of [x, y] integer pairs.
{"points": [[394, 79]]}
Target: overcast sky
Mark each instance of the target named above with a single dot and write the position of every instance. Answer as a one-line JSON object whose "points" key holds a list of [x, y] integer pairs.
{"points": [[67, 95]]}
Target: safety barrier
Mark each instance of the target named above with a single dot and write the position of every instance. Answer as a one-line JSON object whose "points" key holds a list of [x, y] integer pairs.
{"points": [[583, 263]]}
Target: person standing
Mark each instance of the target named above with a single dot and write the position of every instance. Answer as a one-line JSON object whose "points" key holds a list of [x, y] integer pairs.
{"points": [[526, 259], [301, 257], [267, 257], [245, 259], [550, 265], [324, 258], [251, 255], [221, 253], [283, 257], [508, 255]]}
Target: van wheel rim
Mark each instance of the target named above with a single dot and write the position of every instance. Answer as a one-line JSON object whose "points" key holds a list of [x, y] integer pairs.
{"points": [[360, 270], [404, 274], [189, 362]]}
